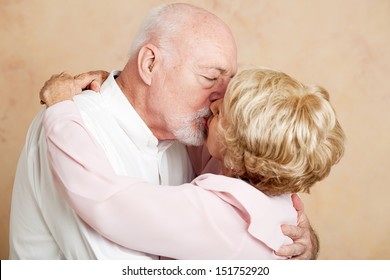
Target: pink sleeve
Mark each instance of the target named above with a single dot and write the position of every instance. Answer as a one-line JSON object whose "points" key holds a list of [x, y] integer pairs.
{"points": [[185, 222]]}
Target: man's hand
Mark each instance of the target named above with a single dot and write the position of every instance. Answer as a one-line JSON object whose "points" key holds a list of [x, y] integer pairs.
{"points": [[64, 86], [306, 244]]}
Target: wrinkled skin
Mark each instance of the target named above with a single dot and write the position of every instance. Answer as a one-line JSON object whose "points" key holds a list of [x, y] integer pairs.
{"points": [[306, 243], [64, 86]]}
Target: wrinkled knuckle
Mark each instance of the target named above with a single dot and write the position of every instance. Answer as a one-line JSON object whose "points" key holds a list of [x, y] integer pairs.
{"points": [[80, 76]]}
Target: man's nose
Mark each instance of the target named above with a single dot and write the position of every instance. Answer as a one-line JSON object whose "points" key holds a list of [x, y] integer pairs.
{"points": [[219, 89], [216, 95]]}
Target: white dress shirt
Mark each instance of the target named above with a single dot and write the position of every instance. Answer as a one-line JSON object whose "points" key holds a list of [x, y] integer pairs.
{"points": [[42, 225]]}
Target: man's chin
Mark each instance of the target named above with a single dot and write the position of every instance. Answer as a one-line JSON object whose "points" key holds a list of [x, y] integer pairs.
{"points": [[191, 138], [195, 141]]}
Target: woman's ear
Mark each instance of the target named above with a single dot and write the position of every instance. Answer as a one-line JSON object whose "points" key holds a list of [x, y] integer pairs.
{"points": [[147, 57]]}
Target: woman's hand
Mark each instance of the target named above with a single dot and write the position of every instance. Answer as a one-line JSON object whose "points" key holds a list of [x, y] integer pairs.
{"points": [[64, 86], [92, 80], [306, 244]]}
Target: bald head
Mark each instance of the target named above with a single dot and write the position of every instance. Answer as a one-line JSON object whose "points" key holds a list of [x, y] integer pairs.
{"points": [[167, 25]]}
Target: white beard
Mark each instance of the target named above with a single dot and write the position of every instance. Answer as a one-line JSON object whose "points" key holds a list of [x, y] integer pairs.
{"points": [[192, 131]]}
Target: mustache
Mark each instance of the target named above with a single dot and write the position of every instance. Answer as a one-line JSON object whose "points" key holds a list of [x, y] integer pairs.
{"points": [[201, 114]]}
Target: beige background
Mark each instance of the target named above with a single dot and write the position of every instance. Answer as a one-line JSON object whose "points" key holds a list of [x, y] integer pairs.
{"points": [[341, 44]]}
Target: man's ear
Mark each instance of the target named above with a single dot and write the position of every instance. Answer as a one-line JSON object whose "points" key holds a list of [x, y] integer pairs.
{"points": [[147, 58]]}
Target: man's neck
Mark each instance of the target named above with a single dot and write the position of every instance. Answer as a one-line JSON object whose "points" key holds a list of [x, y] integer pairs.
{"points": [[136, 93]]}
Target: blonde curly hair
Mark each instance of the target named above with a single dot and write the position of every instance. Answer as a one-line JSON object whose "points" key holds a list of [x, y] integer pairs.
{"points": [[278, 134]]}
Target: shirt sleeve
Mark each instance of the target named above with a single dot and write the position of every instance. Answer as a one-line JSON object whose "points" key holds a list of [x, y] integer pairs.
{"points": [[181, 222]]}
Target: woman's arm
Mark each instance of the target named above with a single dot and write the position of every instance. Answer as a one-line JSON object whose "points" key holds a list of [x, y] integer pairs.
{"points": [[183, 222]]}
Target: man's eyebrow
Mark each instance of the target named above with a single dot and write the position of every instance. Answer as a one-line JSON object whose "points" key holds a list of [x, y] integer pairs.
{"points": [[220, 69], [224, 71]]}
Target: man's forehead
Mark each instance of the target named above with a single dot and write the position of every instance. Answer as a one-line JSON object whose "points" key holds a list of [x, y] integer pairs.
{"points": [[213, 54]]}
